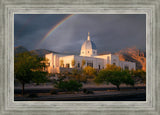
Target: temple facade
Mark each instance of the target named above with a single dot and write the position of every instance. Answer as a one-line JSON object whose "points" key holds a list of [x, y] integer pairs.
{"points": [[88, 57]]}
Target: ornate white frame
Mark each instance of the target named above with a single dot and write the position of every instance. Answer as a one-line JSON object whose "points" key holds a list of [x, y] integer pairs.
{"points": [[9, 8]]}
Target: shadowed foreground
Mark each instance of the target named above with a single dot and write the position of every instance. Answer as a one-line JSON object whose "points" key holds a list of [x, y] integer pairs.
{"points": [[100, 94]]}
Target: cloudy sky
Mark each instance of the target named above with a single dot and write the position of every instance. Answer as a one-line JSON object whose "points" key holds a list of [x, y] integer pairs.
{"points": [[66, 33]]}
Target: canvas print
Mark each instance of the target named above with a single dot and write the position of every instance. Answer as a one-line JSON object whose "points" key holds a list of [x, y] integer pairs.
{"points": [[80, 57]]}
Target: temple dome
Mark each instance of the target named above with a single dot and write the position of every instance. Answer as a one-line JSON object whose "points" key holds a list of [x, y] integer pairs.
{"points": [[88, 44]]}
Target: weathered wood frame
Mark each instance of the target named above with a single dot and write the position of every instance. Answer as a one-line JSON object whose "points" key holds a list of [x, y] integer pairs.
{"points": [[10, 7]]}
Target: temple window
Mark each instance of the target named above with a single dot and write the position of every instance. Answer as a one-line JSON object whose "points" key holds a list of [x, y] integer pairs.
{"points": [[126, 68], [90, 64], [67, 65], [78, 65], [114, 61], [99, 66]]}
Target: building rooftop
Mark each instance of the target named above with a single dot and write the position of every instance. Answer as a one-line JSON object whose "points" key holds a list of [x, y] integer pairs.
{"points": [[88, 44]]}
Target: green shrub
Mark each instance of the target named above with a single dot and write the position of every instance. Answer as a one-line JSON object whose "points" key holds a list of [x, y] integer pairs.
{"points": [[53, 92], [70, 85]]}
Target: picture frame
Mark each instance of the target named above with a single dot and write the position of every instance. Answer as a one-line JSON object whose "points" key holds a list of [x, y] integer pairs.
{"points": [[150, 8]]}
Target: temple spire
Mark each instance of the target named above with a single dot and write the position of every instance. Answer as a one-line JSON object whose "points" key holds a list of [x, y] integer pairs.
{"points": [[88, 36]]}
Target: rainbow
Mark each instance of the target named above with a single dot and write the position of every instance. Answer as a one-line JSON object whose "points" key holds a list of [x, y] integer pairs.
{"points": [[54, 28]]}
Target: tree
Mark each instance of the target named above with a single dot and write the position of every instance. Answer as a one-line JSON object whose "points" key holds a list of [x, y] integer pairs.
{"points": [[61, 63], [115, 76], [127, 78], [73, 63], [78, 76], [89, 71], [26, 67], [139, 76], [83, 62], [113, 67], [70, 85], [119, 77], [39, 77], [102, 76]]}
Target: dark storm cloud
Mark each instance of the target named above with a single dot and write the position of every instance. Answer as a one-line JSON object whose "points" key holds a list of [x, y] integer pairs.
{"points": [[30, 28], [109, 32]]}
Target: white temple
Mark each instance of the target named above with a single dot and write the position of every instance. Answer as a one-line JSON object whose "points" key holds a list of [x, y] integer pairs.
{"points": [[58, 63]]}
